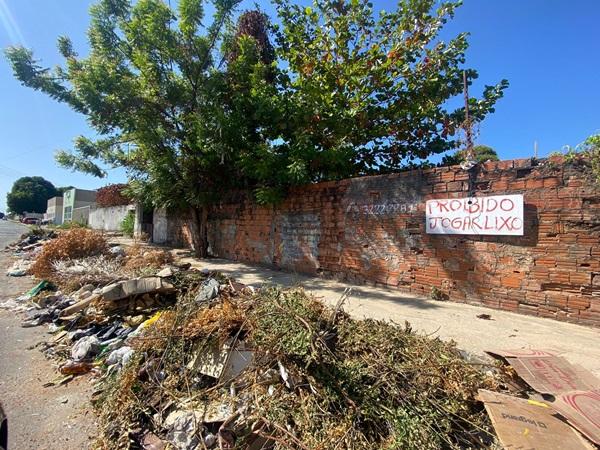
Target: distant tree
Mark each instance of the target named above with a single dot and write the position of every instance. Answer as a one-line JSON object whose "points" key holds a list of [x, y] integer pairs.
{"points": [[112, 195], [61, 190], [481, 153], [30, 194]]}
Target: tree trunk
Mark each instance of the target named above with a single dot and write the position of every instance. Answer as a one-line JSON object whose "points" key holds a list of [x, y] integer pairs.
{"points": [[199, 231]]}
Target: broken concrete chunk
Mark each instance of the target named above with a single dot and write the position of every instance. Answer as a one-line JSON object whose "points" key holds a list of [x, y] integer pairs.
{"points": [[86, 347], [208, 290], [117, 250], [150, 441], [218, 411], [138, 286]]}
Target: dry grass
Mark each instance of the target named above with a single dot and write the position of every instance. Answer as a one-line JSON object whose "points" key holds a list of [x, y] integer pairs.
{"points": [[140, 260], [70, 244]]}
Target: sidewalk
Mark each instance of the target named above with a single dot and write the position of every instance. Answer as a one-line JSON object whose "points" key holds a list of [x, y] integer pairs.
{"points": [[578, 344]]}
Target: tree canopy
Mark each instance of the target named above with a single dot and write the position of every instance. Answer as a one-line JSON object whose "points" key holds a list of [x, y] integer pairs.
{"points": [[481, 153], [192, 106], [30, 194]]}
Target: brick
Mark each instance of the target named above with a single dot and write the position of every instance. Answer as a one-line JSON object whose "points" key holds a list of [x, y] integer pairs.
{"points": [[548, 272]]}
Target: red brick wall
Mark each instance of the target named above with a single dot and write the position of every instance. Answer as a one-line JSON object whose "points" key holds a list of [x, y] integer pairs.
{"points": [[372, 230]]}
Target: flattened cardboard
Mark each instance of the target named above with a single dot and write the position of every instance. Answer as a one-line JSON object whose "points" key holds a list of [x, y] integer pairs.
{"points": [[522, 424], [582, 410], [547, 373], [576, 391]]}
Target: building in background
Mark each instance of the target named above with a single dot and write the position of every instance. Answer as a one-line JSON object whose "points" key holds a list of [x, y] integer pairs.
{"points": [[54, 211], [77, 204]]}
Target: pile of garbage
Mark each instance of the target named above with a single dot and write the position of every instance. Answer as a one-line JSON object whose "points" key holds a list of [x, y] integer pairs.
{"points": [[27, 248], [189, 359], [229, 367]]}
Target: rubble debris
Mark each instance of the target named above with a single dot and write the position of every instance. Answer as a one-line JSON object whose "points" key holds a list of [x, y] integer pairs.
{"points": [[484, 316], [117, 250], [138, 286], [166, 272], [150, 441], [80, 305], [184, 358], [184, 429], [223, 363], [252, 370], [19, 269]]}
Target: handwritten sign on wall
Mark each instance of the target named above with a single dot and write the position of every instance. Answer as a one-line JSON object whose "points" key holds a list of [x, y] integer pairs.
{"points": [[497, 215]]}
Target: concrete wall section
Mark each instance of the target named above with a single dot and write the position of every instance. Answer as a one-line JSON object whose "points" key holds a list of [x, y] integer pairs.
{"points": [[81, 215], [109, 219], [159, 226]]}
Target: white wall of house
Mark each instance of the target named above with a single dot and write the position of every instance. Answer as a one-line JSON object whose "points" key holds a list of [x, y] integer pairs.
{"points": [[110, 218]]}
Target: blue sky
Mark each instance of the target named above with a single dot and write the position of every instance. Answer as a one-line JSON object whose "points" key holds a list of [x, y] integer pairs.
{"points": [[549, 50]]}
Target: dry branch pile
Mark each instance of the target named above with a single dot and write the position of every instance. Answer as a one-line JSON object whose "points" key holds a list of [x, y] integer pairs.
{"points": [[277, 369], [71, 244]]}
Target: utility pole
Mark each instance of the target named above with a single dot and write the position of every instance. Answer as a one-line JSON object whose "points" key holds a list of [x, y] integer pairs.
{"points": [[535, 149], [467, 124]]}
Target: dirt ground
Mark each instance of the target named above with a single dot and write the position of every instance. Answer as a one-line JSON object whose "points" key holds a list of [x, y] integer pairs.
{"points": [[39, 418]]}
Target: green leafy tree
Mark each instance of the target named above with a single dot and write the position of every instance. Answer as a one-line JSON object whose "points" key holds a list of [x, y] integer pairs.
{"points": [[481, 153], [61, 189], [153, 89], [30, 194], [193, 107], [370, 91]]}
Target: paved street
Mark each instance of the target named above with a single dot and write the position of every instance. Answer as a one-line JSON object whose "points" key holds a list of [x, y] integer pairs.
{"points": [[39, 418], [9, 231]]}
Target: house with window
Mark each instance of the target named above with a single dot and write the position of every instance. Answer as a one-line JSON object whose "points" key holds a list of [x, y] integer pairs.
{"points": [[77, 204]]}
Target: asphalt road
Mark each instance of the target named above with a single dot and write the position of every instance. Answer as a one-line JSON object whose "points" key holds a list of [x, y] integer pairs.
{"points": [[44, 418], [10, 231]]}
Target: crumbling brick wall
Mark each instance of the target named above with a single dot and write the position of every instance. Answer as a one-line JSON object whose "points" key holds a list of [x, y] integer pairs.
{"points": [[372, 230]]}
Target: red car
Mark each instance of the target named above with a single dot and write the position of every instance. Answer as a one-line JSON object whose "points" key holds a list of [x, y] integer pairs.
{"points": [[31, 221]]}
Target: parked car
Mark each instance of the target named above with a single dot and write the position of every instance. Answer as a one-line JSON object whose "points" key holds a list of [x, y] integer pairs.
{"points": [[31, 221], [3, 430]]}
